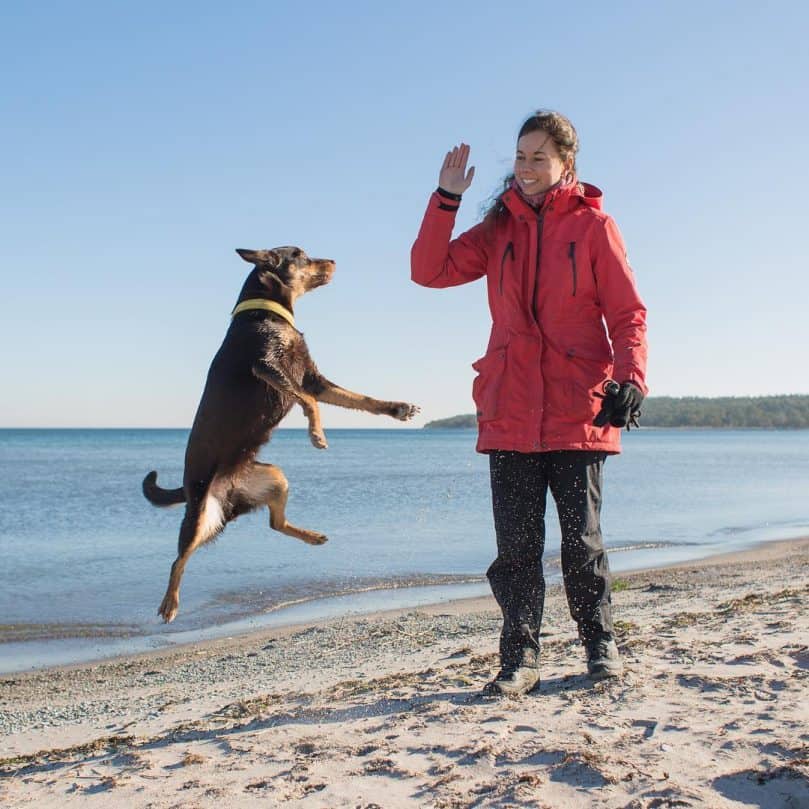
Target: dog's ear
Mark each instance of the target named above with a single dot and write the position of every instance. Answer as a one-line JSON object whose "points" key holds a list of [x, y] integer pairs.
{"points": [[258, 257]]}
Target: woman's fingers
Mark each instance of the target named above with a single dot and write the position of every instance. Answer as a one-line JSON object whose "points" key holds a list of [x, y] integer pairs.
{"points": [[454, 176], [460, 154], [456, 156]]}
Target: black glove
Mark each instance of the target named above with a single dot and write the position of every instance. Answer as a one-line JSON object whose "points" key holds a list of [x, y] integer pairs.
{"points": [[621, 405]]}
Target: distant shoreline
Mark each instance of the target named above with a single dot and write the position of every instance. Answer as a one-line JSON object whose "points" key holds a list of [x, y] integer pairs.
{"points": [[784, 412]]}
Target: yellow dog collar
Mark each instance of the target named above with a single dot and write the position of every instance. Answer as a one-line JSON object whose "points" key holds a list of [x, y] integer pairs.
{"points": [[262, 303]]}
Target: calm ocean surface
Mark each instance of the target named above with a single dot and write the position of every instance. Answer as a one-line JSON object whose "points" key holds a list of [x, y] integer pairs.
{"points": [[407, 514]]}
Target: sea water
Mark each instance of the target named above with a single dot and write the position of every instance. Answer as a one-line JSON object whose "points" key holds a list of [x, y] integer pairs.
{"points": [[84, 558]]}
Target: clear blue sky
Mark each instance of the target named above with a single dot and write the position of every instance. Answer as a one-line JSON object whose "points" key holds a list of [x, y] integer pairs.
{"points": [[143, 142]]}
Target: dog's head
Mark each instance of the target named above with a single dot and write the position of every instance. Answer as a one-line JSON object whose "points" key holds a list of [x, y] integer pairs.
{"points": [[287, 270]]}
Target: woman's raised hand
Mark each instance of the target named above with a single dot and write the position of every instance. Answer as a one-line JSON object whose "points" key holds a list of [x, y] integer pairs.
{"points": [[454, 177]]}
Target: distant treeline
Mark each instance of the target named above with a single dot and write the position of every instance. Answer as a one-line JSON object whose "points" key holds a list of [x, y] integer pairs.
{"points": [[764, 412]]}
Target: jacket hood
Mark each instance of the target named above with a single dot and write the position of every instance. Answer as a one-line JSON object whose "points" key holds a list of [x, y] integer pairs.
{"points": [[591, 195]]}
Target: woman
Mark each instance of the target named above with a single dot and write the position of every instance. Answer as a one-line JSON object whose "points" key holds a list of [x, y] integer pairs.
{"points": [[556, 272]]}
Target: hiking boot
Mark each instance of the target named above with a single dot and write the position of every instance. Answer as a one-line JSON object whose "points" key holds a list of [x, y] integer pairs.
{"points": [[513, 680], [603, 659]]}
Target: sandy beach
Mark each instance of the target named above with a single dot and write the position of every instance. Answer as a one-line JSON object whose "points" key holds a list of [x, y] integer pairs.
{"points": [[384, 710]]}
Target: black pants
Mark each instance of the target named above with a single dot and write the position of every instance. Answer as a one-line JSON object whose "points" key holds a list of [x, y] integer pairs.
{"points": [[520, 484]]}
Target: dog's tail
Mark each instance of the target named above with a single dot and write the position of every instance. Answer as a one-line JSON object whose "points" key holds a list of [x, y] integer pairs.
{"points": [[158, 496]]}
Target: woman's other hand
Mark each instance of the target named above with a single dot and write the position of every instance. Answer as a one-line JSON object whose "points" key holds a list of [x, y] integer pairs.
{"points": [[454, 177]]}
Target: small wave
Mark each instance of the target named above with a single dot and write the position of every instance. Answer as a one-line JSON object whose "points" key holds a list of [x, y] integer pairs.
{"points": [[730, 530], [767, 525], [243, 603], [24, 632], [646, 546], [384, 584]]}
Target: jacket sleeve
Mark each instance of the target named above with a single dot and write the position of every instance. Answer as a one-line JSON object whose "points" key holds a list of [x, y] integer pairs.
{"points": [[437, 262], [624, 311]]}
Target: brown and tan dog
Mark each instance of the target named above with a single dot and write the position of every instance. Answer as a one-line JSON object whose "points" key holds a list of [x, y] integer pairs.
{"points": [[261, 370]]}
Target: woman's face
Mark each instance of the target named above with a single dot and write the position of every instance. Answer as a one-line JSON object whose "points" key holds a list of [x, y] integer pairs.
{"points": [[537, 165]]}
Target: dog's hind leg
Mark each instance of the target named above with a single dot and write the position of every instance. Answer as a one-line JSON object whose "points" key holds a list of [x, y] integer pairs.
{"points": [[267, 485], [202, 522]]}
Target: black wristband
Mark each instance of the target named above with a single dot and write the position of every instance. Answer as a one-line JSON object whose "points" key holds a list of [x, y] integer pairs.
{"points": [[448, 194]]}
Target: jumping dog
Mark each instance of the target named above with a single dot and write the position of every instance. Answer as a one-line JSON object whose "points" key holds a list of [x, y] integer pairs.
{"points": [[261, 370]]}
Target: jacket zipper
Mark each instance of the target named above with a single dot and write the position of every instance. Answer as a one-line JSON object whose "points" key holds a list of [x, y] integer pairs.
{"points": [[572, 255], [509, 249], [540, 223]]}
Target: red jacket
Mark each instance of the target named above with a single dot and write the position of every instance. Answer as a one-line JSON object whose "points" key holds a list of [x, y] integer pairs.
{"points": [[554, 279]]}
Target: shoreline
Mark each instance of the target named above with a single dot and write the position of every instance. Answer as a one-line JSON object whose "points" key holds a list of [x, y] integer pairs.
{"points": [[760, 550], [78, 646], [712, 709]]}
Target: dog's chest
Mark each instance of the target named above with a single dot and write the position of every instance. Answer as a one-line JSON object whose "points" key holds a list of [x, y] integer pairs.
{"points": [[288, 352]]}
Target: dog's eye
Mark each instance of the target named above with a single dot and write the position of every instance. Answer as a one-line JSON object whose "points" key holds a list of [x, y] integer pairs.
{"points": [[297, 254]]}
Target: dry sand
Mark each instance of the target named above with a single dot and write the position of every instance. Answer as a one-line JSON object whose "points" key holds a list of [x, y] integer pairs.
{"points": [[383, 710]]}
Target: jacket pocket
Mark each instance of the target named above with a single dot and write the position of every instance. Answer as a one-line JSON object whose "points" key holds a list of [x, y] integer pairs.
{"points": [[571, 254], [509, 251], [487, 384], [508, 386], [588, 370]]}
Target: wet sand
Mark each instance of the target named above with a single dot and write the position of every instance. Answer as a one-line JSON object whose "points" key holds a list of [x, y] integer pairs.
{"points": [[384, 709]]}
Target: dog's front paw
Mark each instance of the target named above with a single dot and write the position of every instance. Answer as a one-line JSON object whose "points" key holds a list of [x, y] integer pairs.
{"points": [[315, 538], [404, 411], [318, 440]]}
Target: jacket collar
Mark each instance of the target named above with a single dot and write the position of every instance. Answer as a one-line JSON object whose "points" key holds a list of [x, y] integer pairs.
{"points": [[559, 200]]}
